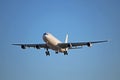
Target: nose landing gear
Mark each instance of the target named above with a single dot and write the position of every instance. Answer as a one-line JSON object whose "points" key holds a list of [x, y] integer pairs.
{"points": [[47, 53]]}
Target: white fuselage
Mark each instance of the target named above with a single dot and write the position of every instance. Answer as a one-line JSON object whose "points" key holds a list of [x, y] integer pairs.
{"points": [[52, 42]]}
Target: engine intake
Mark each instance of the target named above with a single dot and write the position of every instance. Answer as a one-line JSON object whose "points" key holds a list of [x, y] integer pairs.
{"points": [[23, 47], [37, 47], [70, 45], [89, 44]]}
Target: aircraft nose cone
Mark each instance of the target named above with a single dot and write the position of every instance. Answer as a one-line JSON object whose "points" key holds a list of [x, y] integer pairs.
{"points": [[45, 36]]}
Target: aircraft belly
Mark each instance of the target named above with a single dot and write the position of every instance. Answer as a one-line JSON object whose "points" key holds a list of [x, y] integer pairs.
{"points": [[56, 48]]}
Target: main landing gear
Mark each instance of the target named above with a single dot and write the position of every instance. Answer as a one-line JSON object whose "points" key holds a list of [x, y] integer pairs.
{"points": [[65, 53], [48, 53]]}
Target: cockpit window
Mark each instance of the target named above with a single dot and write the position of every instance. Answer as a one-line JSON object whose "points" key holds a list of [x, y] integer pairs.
{"points": [[45, 33]]}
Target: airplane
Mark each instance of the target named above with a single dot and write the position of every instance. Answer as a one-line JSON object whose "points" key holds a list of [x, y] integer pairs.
{"points": [[53, 43]]}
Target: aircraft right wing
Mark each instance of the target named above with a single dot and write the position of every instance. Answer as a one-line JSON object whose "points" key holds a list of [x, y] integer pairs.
{"points": [[73, 45], [38, 46]]}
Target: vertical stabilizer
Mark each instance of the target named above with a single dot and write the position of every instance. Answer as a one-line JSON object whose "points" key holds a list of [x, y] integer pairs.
{"points": [[66, 39]]}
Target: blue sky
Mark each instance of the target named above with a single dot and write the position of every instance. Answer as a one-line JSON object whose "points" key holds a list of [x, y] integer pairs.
{"points": [[24, 21]]}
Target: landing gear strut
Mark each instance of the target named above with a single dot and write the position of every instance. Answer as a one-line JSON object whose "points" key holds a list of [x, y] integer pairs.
{"points": [[47, 53]]}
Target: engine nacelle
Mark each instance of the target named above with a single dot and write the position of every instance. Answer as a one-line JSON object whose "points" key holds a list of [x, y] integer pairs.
{"points": [[37, 47], [70, 45], [89, 44], [23, 47]]}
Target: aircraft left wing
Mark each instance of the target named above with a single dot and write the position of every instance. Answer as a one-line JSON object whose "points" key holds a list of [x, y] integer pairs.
{"points": [[73, 45], [38, 46]]}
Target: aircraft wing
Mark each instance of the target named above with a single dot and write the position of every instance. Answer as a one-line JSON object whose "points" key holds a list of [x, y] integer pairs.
{"points": [[73, 45], [38, 46]]}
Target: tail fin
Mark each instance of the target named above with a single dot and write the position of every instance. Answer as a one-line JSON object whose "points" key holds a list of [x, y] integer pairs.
{"points": [[66, 39]]}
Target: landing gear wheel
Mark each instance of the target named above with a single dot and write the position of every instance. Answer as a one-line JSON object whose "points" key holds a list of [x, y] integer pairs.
{"points": [[56, 52], [65, 53], [47, 53]]}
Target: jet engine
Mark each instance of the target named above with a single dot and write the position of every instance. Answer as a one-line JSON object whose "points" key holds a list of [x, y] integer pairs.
{"points": [[37, 47], [89, 44], [23, 47], [70, 45]]}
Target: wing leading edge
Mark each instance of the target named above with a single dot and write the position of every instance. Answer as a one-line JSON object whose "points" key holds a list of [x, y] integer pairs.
{"points": [[38, 46], [71, 45]]}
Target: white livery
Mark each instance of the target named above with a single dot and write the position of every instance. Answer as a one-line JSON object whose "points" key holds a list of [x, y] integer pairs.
{"points": [[53, 43]]}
